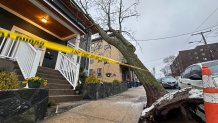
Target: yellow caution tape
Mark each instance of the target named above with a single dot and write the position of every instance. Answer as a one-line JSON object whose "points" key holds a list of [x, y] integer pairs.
{"points": [[59, 47]]}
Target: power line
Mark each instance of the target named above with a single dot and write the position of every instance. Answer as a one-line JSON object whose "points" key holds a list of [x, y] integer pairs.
{"points": [[179, 35], [186, 33], [206, 19], [203, 23]]}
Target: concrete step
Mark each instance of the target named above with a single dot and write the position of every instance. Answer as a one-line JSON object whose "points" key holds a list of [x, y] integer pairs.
{"points": [[59, 86], [65, 98], [53, 76], [61, 92], [56, 81], [48, 71]]}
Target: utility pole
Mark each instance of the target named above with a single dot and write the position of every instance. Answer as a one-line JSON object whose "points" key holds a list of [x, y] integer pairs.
{"points": [[202, 34], [205, 42]]}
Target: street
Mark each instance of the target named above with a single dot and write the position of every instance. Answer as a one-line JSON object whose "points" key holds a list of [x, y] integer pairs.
{"points": [[122, 108], [171, 90]]}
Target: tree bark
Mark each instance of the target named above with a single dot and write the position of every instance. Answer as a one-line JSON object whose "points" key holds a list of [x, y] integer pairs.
{"points": [[154, 89]]}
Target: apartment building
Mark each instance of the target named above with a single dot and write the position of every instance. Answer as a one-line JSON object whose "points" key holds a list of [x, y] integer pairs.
{"points": [[201, 53], [105, 71]]}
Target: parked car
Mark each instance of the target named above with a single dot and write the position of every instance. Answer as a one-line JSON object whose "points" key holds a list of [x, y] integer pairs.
{"points": [[192, 76], [169, 82]]}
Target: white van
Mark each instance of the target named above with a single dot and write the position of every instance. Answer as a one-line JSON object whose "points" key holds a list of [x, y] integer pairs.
{"points": [[192, 76]]}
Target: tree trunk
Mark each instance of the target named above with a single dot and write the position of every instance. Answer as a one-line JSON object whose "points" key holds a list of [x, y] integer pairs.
{"points": [[154, 89]]}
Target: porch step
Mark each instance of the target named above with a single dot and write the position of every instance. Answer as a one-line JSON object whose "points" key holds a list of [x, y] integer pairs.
{"points": [[58, 86], [65, 98], [50, 75], [45, 70], [60, 89], [61, 92]]}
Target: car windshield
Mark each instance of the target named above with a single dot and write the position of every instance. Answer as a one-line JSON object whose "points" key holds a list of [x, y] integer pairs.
{"points": [[213, 66], [169, 78]]}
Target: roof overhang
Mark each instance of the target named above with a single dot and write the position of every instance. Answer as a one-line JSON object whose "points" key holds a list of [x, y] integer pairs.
{"points": [[58, 15]]}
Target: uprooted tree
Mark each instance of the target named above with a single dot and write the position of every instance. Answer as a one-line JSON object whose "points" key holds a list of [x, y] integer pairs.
{"points": [[112, 14]]}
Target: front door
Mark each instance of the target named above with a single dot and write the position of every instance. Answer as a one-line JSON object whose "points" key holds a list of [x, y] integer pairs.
{"points": [[50, 58]]}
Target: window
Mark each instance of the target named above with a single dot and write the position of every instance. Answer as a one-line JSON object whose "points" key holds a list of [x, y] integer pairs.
{"points": [[99, 72], [93, 45], [186, 73], [196, 57], [213, 67], [196, 70], [99, 45], [204, 59], [195, 53], [107, 46], [203, 54], [91, 71], [91, 61], [201, 49]]}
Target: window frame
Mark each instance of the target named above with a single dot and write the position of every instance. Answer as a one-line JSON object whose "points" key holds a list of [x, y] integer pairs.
{"points": [[186, 75], [99, 72]]}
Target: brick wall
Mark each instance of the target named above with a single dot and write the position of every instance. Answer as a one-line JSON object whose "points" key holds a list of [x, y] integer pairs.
{"points": [[186, 58]]}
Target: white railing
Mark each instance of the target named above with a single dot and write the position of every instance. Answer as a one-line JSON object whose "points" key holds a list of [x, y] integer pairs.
{"points": [[25, 54], [27, 58], [68, 68]]}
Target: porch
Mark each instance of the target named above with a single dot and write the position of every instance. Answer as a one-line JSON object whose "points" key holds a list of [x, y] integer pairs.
{"points": [[46, 21]]}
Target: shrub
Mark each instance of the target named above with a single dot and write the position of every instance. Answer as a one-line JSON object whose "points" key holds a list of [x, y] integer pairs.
{"points": [[8, 80], [91, 80], [116, 81]]}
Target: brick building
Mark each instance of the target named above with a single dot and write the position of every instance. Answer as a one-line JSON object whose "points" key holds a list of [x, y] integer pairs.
{"points": [[105, 71], [201, 53]]}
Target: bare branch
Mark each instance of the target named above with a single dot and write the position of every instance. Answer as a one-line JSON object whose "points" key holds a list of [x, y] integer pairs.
{"points": [[120, 15], [133, 38]]}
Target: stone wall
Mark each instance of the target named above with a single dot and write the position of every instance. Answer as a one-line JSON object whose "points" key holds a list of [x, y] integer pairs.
{"points": [[23, 105], [98, 91], [7, 64]]}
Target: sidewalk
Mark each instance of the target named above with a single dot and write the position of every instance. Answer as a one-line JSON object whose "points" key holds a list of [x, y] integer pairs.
{"points": [[122, 108]]}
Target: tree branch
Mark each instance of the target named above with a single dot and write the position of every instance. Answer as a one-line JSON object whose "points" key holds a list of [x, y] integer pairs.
{"points": [[120, 16]]}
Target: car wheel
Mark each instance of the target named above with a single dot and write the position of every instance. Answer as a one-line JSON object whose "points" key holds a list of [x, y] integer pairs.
{"points": [[178, 87]]}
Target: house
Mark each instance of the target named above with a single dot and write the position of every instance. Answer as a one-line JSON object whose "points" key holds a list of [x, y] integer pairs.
{"points": [[60, 21], [109, 72], [201, 53]]}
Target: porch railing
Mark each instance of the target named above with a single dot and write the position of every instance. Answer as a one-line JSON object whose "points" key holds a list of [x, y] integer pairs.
{"points": [[68, 68], [25, 54], [28, 59]]}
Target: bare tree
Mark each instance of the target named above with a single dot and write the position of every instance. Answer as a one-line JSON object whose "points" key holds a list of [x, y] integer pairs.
{"points": [[169, 59], [166, 69], [112, 15]]}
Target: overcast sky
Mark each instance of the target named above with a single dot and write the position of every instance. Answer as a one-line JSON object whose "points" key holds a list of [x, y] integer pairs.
{"points": [[161, 18]]}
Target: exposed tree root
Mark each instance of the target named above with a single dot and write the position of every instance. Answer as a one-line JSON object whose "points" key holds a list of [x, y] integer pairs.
{"points": [[170, 105]]}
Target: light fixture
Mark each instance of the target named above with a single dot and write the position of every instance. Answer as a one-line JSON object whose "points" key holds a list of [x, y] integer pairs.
{"points": [[44, 20]]}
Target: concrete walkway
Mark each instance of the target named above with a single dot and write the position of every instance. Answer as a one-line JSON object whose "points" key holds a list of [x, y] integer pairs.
{"points": [[122, 108]]}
